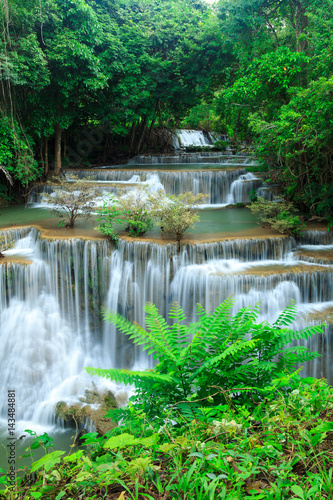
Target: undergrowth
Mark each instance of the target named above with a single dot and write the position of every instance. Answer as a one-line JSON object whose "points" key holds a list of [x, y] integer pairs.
{"points": [[204, 441]]}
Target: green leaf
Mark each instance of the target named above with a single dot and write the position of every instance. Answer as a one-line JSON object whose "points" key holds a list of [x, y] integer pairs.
{"points": [[298, 491], [149, 441], [120, 441], [323, 427], [48, 461]]}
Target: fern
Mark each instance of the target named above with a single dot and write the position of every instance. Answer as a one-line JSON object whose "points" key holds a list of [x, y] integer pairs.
{"points": [[218, 350], [128, 377]]}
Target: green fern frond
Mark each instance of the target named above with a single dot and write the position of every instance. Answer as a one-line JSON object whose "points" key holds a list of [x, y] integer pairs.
{"points": [[176, 312], [287, 316], [247, 314], [230, 351], [179, 336], [155, 340], [128, 377]]}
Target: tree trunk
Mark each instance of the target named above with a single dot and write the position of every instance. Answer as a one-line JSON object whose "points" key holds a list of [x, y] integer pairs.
{"points": [[57, 148], [46, 157], [169, 138], [143, 131], [130, 148], [150, 131]]}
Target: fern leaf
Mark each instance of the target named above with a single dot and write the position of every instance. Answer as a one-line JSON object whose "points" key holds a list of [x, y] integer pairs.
{"points": [[128, 377], [287, 316], [230, 351]]}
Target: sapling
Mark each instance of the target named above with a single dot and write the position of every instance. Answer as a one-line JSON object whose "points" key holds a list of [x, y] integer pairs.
{"points": [[71, 200]]}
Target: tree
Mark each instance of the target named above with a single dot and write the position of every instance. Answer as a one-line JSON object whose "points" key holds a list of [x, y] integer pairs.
{"points": [[175, 214], [297, 145], [71, 200], [109, 215], [135, 204], [277, 215]]}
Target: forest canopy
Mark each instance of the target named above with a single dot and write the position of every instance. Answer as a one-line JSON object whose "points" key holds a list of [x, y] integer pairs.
{"points": [[86, 81]]}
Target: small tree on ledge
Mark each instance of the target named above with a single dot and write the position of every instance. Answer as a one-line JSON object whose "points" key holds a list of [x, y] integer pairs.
{"points": [[176, 214], [71, 200]]}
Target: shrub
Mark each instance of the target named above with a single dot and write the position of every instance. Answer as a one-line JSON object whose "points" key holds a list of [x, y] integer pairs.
{"points": [[5, 244], [176, 214], [135, 204], [229, 357], [277, 215], [71, 200], [109, 215], [16, 153]]}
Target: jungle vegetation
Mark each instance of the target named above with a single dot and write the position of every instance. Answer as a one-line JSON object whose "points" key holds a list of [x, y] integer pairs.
{"points": [[223, 415], [93, 81]]}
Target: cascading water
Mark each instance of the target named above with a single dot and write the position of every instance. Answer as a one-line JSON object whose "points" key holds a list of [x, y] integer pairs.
{"points": [[50, 304], [50, 309], [221, 187], [193, 158], [241, 187], [183, 138]]}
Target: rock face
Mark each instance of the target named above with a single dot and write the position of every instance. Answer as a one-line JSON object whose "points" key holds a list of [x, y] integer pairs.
{"points": [[93, 408]]}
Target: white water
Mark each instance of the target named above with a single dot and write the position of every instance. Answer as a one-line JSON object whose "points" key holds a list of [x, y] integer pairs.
{"points": [[222, 187], [183, 138], [50, 309], [241, 187]]}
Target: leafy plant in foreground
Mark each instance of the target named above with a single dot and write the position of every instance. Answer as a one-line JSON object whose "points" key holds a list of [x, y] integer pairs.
{"points": [[218, 358]]}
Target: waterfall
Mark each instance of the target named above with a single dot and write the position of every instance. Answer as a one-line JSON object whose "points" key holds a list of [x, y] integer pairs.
{"points": [[183, 138], [241, 187], [193, 158], [50, 309], [220, 186]]}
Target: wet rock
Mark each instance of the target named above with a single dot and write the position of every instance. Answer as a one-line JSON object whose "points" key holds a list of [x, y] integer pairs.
{"points": [[92, 408]]}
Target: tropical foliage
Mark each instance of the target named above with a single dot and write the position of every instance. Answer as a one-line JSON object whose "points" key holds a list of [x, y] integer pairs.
{"points": [[270, 440], [278, 215], [71, 200], [175, 214], [219, 358]]}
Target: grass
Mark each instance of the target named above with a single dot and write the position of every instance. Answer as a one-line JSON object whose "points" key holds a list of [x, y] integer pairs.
{"points": [[279, 449]]}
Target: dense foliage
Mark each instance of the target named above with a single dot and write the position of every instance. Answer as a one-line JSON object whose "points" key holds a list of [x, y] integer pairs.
{"points": [[87, 80], [232, 357], [85, 75], [278, 215], [277, 91], [270, 440]]}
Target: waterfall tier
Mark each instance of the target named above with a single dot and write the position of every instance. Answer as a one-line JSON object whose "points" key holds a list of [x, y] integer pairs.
{"points": [[183, 138], [50, 310], [221, 187], [188, 158]]}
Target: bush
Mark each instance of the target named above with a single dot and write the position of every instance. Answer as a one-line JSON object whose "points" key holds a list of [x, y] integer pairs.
{"points": [[217, 359], [109, 215], [135, 204], [5, 244], [175, 214], [71, 200], [16, 153], [277, 215]]}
